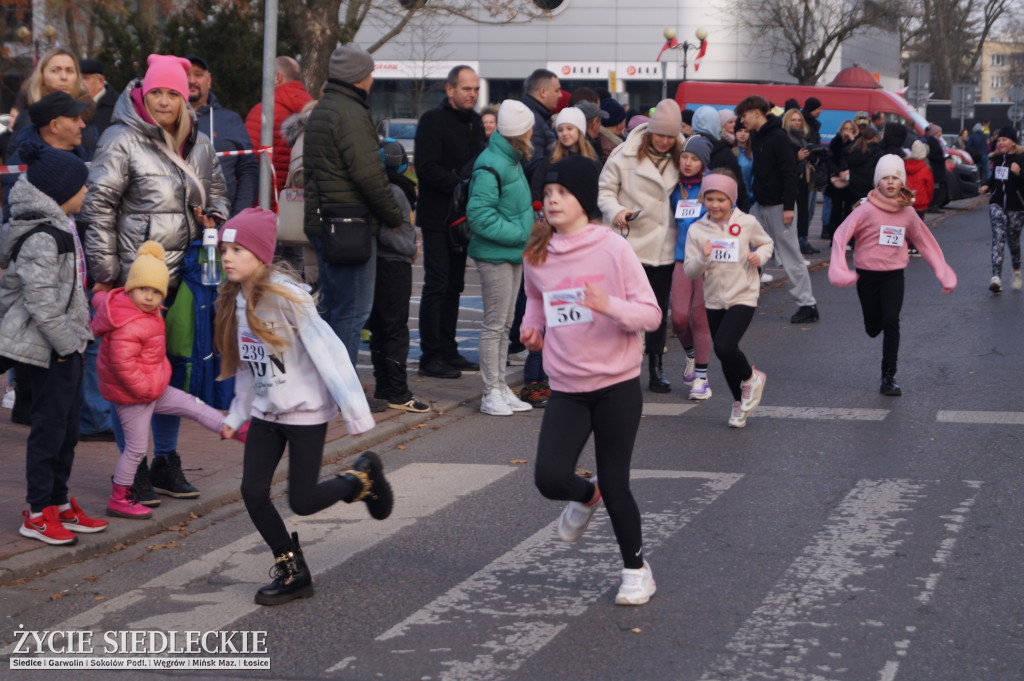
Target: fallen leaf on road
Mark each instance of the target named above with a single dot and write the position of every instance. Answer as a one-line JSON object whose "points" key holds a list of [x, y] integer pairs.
{"points": [[402, 447], [100, 598], [637, 630], [56, 597], [517, 460]]}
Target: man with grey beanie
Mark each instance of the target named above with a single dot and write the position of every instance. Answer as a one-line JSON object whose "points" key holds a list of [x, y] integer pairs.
{"points": [[346, 179]]}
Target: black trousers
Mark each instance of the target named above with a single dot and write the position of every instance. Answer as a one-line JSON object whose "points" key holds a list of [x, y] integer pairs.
{"points": [[803, 214], [389, 330], [881, 299], [444, 277], [660, 278], [50, 450], [727, 328], [612, 414], [264, 447]]}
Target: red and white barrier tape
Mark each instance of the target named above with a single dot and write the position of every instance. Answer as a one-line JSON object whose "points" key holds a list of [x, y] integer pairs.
{"points": [[15, 170]]}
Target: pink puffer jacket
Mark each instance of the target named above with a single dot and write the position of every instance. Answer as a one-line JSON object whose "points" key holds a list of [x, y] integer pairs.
{"points": [[132, 367]]}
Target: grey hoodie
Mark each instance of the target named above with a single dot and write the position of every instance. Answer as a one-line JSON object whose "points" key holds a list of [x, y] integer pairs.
{"points": [[43, 308]]}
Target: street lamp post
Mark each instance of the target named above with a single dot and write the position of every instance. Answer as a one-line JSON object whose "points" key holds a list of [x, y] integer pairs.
{"points": [[25, 35], [683, 48]]}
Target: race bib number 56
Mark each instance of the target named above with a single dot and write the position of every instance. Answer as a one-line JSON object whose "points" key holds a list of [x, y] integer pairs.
{"points": [[562, 308]]}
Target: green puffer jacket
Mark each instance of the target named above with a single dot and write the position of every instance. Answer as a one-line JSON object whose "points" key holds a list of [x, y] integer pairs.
{"points": [[501, 222], [341, 160]]}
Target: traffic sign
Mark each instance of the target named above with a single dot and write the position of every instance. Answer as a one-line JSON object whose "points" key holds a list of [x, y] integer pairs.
{"points": [[1016, 94], [962, 104], [1016, 113]]}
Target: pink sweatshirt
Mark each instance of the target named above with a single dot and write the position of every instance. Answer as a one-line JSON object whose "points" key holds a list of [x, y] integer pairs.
{"points": [[868, 223], [592, 355]]}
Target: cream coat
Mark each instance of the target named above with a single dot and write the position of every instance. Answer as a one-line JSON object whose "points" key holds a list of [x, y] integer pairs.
{"points": [[627, 184]]}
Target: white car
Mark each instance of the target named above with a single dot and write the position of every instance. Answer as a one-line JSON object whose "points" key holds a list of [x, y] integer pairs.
{"points": [[403, 130]]}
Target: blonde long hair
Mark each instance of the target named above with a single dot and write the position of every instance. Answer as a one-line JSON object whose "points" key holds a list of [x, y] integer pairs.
{"points": [[225, 326], [182, 127], [522, 144], [35, 87], [646, 150], [581, 146]]}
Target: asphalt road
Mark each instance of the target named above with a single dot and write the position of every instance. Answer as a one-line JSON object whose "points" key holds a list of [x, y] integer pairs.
{"points": [[841, 535]]}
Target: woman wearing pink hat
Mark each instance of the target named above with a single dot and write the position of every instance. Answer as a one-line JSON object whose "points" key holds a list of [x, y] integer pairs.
{"points": [[154, 177]]}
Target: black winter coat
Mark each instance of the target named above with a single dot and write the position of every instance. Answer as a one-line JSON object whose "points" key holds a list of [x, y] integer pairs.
{"points": [[544, 136], [774, 165], [1008, 193], [722, 157], [862, 168], [447, 142]]}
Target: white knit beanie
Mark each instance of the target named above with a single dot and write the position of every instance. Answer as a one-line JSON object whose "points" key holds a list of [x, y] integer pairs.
{"points": [[514, 119], [918, 150], [890, 164], [572, 116]]}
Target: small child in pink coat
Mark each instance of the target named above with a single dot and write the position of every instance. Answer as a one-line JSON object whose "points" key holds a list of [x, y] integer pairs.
{"points": [[882, 226], [134, 373]]}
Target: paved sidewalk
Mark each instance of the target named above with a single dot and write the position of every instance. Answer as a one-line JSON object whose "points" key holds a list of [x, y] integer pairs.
{"points": [[215, 466]]}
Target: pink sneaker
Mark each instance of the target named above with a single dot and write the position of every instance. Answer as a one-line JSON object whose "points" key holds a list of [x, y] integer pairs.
{"points": [[124, 503], [751, 389]]}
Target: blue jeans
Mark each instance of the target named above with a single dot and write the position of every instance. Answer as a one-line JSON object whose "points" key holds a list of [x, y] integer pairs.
{"points": [[346, 296]]}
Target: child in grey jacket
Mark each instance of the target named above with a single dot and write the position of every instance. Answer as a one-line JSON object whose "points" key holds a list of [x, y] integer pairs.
{"points": [[389, 318], [44, 328]]}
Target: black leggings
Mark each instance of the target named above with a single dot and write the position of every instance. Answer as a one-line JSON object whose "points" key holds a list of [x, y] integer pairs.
{"points": [[660, 279], [881, 299], [612, 414], [264, 447], [727, 328]]}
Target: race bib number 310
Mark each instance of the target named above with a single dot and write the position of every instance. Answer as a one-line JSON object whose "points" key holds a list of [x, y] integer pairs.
{"points": [[562, 308]]}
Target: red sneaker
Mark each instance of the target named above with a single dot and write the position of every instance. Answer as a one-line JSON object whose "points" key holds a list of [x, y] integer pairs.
{"points": [[48, 528], [76, 520]]}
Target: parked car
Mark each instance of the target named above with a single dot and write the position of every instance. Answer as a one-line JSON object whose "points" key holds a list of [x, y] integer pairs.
{"points": [[962, 177], [403, 130]]}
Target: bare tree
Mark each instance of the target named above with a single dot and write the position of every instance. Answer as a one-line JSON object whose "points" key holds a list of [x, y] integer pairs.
{"points": [[950, 34], [807, 33], [322, 30]]}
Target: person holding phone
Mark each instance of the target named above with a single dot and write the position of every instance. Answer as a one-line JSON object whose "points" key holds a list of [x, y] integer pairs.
{"points": [[634, 193]]}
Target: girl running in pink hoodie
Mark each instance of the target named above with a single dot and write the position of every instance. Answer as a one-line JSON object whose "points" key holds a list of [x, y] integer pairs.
{"points": [[882, 227], [587, 300]]}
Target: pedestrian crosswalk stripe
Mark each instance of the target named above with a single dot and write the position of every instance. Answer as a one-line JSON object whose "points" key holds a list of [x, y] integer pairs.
{"points": [[421, 489], [519, 602], [801, 413], [1012, 418], [666, 408]]}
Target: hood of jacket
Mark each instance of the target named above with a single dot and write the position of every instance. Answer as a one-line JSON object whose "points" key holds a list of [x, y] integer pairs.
{"points": [[114, 310], [125, 112], [706, 122], [915, 165], [29, 207], [294, 127], [894, 135], [773, 123]]}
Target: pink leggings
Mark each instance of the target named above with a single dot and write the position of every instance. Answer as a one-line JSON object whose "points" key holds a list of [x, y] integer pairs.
{"points": [[689, 316], [135, 420]]}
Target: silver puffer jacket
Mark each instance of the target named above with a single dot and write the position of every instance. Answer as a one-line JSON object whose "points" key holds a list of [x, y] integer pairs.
{"points": [[136, 193]]}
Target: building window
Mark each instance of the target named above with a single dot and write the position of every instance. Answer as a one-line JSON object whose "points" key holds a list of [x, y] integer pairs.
{"points": [[997, 60], [996, 82]]}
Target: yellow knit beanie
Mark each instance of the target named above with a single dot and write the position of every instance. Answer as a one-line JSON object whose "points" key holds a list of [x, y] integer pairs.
{"points": [[148, 269]]}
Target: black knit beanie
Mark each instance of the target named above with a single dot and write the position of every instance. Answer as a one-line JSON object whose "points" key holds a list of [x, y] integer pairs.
{"points": [[58, 174], [579, 175]]}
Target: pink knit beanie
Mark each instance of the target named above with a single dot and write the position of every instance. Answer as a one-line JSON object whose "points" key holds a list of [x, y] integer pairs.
{"points": [[254, 229], [715, 182], [667, 119], [166, 71]]}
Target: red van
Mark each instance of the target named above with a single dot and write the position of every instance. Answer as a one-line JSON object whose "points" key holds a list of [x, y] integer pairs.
{"points": [[837, 103]]}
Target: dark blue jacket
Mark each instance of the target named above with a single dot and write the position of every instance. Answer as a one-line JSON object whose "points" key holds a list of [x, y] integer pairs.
{"points": [[241, 173]]}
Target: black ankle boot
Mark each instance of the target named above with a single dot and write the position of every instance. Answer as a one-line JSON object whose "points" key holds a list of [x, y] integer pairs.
{"points": [[658, 384], [371, 486], [889, 386], [291, 577]]}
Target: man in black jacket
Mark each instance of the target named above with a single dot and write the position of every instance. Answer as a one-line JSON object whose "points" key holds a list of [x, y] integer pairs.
{"points": [[774, 197], [448, 138], [937, 162], [102, 94], [542, 91]]}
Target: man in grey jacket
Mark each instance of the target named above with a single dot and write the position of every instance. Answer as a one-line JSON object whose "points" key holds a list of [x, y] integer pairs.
{"points": [[345, 178]]}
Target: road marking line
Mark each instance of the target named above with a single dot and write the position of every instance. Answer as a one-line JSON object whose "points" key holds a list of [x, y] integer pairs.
{"points": [[421, 489], [520, 601], [859, 538], [1012, 418], [666, 408], [821, 413]]}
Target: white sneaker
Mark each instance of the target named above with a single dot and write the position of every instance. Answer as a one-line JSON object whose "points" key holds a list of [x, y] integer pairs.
{"points": [[766, 278], [1017, 281], [738, 418], [690, 371], [700, 390], [576, 517], [751, 390], [494, 404], [513, 401], [517, 359], [8, 401], [637, 586], [995, 285]]}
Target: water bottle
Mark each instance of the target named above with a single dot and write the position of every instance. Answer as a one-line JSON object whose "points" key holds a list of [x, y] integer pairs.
{"points": [[209, 258]]}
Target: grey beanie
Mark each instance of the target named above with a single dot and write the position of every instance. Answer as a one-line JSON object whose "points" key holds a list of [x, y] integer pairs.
{"points": [[350, 63], [699, 146]]}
